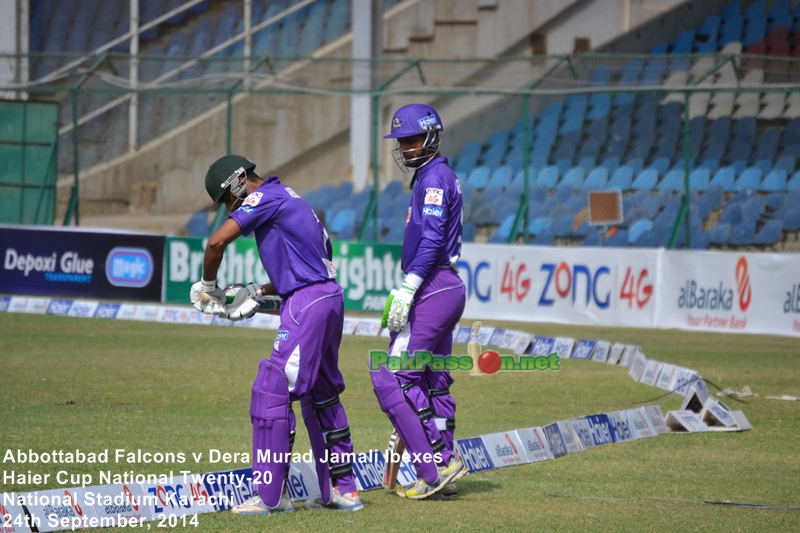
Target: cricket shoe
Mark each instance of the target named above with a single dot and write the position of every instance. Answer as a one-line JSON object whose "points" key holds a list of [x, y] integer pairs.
{"points": [[454, 470], [449, 492], [254, 505], [349, 501]]}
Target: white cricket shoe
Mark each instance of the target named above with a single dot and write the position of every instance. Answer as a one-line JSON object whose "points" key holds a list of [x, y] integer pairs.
{"points": [[254, 505], [349, 501]]}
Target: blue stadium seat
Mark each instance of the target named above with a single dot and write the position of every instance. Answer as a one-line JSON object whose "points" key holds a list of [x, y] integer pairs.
{"points": [[479, 177], [596, 180], [710, 201], [769, 234], [574, 177], [646, 240], [548, 176], [742, 234], [341, 220], [720, 233], [501, 177], [519, 177], [794, 182], [562, 226], [699, 179], [621, 179], [724, 178], [639, 227], [774, 181], [646, 179], [593, 238], [539, 224], [790, 218], [468, 157], [785, 163], [503, 231], [347, 233], [749, 179], [732, 214], [545, 238], [673, 181], [396, 234]]}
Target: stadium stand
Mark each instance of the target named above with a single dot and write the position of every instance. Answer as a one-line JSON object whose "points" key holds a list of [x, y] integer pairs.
{"points": [[743, 146]]}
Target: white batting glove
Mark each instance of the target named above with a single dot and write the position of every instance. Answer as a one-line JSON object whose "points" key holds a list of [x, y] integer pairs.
{"points": [[240, 301], [213, 299], [246, 309], [400, 306]]}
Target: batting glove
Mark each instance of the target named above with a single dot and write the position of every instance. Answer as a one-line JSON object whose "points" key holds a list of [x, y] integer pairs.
{"points": [[240, 301], [399, 307], [216, 301], [244, 310], [387, 308]]}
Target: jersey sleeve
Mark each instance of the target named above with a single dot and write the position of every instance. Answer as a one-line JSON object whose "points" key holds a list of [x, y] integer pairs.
{"points": [[432, 202], [255, 210]]}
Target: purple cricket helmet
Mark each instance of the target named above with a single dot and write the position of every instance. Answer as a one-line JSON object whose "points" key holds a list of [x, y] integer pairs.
{"points": [[410, 121], [414, 119]]}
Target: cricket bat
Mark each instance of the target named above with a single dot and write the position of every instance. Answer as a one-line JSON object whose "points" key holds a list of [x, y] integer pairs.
{"points": [[394, 457], [474, 350]]}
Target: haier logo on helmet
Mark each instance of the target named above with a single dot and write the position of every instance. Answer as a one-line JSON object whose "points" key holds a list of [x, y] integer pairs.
{"points": [[428, 123]]}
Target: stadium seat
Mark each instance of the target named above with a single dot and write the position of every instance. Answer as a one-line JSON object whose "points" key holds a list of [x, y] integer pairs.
{"points": [[774, 181], [621, 179], [673, 181], [639, 227], [341, 220], [501, 177], [548, 177], [646, 179], [724, 178], [742, 234], [574, 177], [479, 177], [596, 180], [794, 182], [699, 179], [539, 224], [749, 179], [720, 233], [769, 234]]}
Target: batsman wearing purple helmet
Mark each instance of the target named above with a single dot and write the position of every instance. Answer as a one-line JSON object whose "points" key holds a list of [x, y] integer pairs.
{"points": [[296, 253], [421, 314]]}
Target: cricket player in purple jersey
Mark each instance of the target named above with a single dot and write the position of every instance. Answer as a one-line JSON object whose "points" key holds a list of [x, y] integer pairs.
{"points": [[421, 314], [296, 253]]}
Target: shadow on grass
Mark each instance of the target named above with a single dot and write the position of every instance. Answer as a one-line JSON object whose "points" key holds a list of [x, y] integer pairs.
{"points": [[475, 484]]}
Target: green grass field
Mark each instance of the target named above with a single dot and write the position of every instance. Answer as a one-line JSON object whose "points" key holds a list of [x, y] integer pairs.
{"points": [[91, 384]]}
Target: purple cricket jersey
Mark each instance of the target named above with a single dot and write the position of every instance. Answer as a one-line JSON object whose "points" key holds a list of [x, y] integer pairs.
{"points": [[292, 243], [434, 221]]}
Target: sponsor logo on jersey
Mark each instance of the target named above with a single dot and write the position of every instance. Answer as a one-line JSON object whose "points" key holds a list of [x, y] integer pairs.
{"points": [[291, 192], [437, 212], [253, 198], [433, 196]]}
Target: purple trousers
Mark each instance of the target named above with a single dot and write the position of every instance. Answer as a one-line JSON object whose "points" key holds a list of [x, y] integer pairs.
{"points": [[436, 310], [306, 349]]}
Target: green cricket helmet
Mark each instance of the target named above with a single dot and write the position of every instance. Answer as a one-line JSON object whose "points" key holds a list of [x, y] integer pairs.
{"points": [[224, 174]]}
